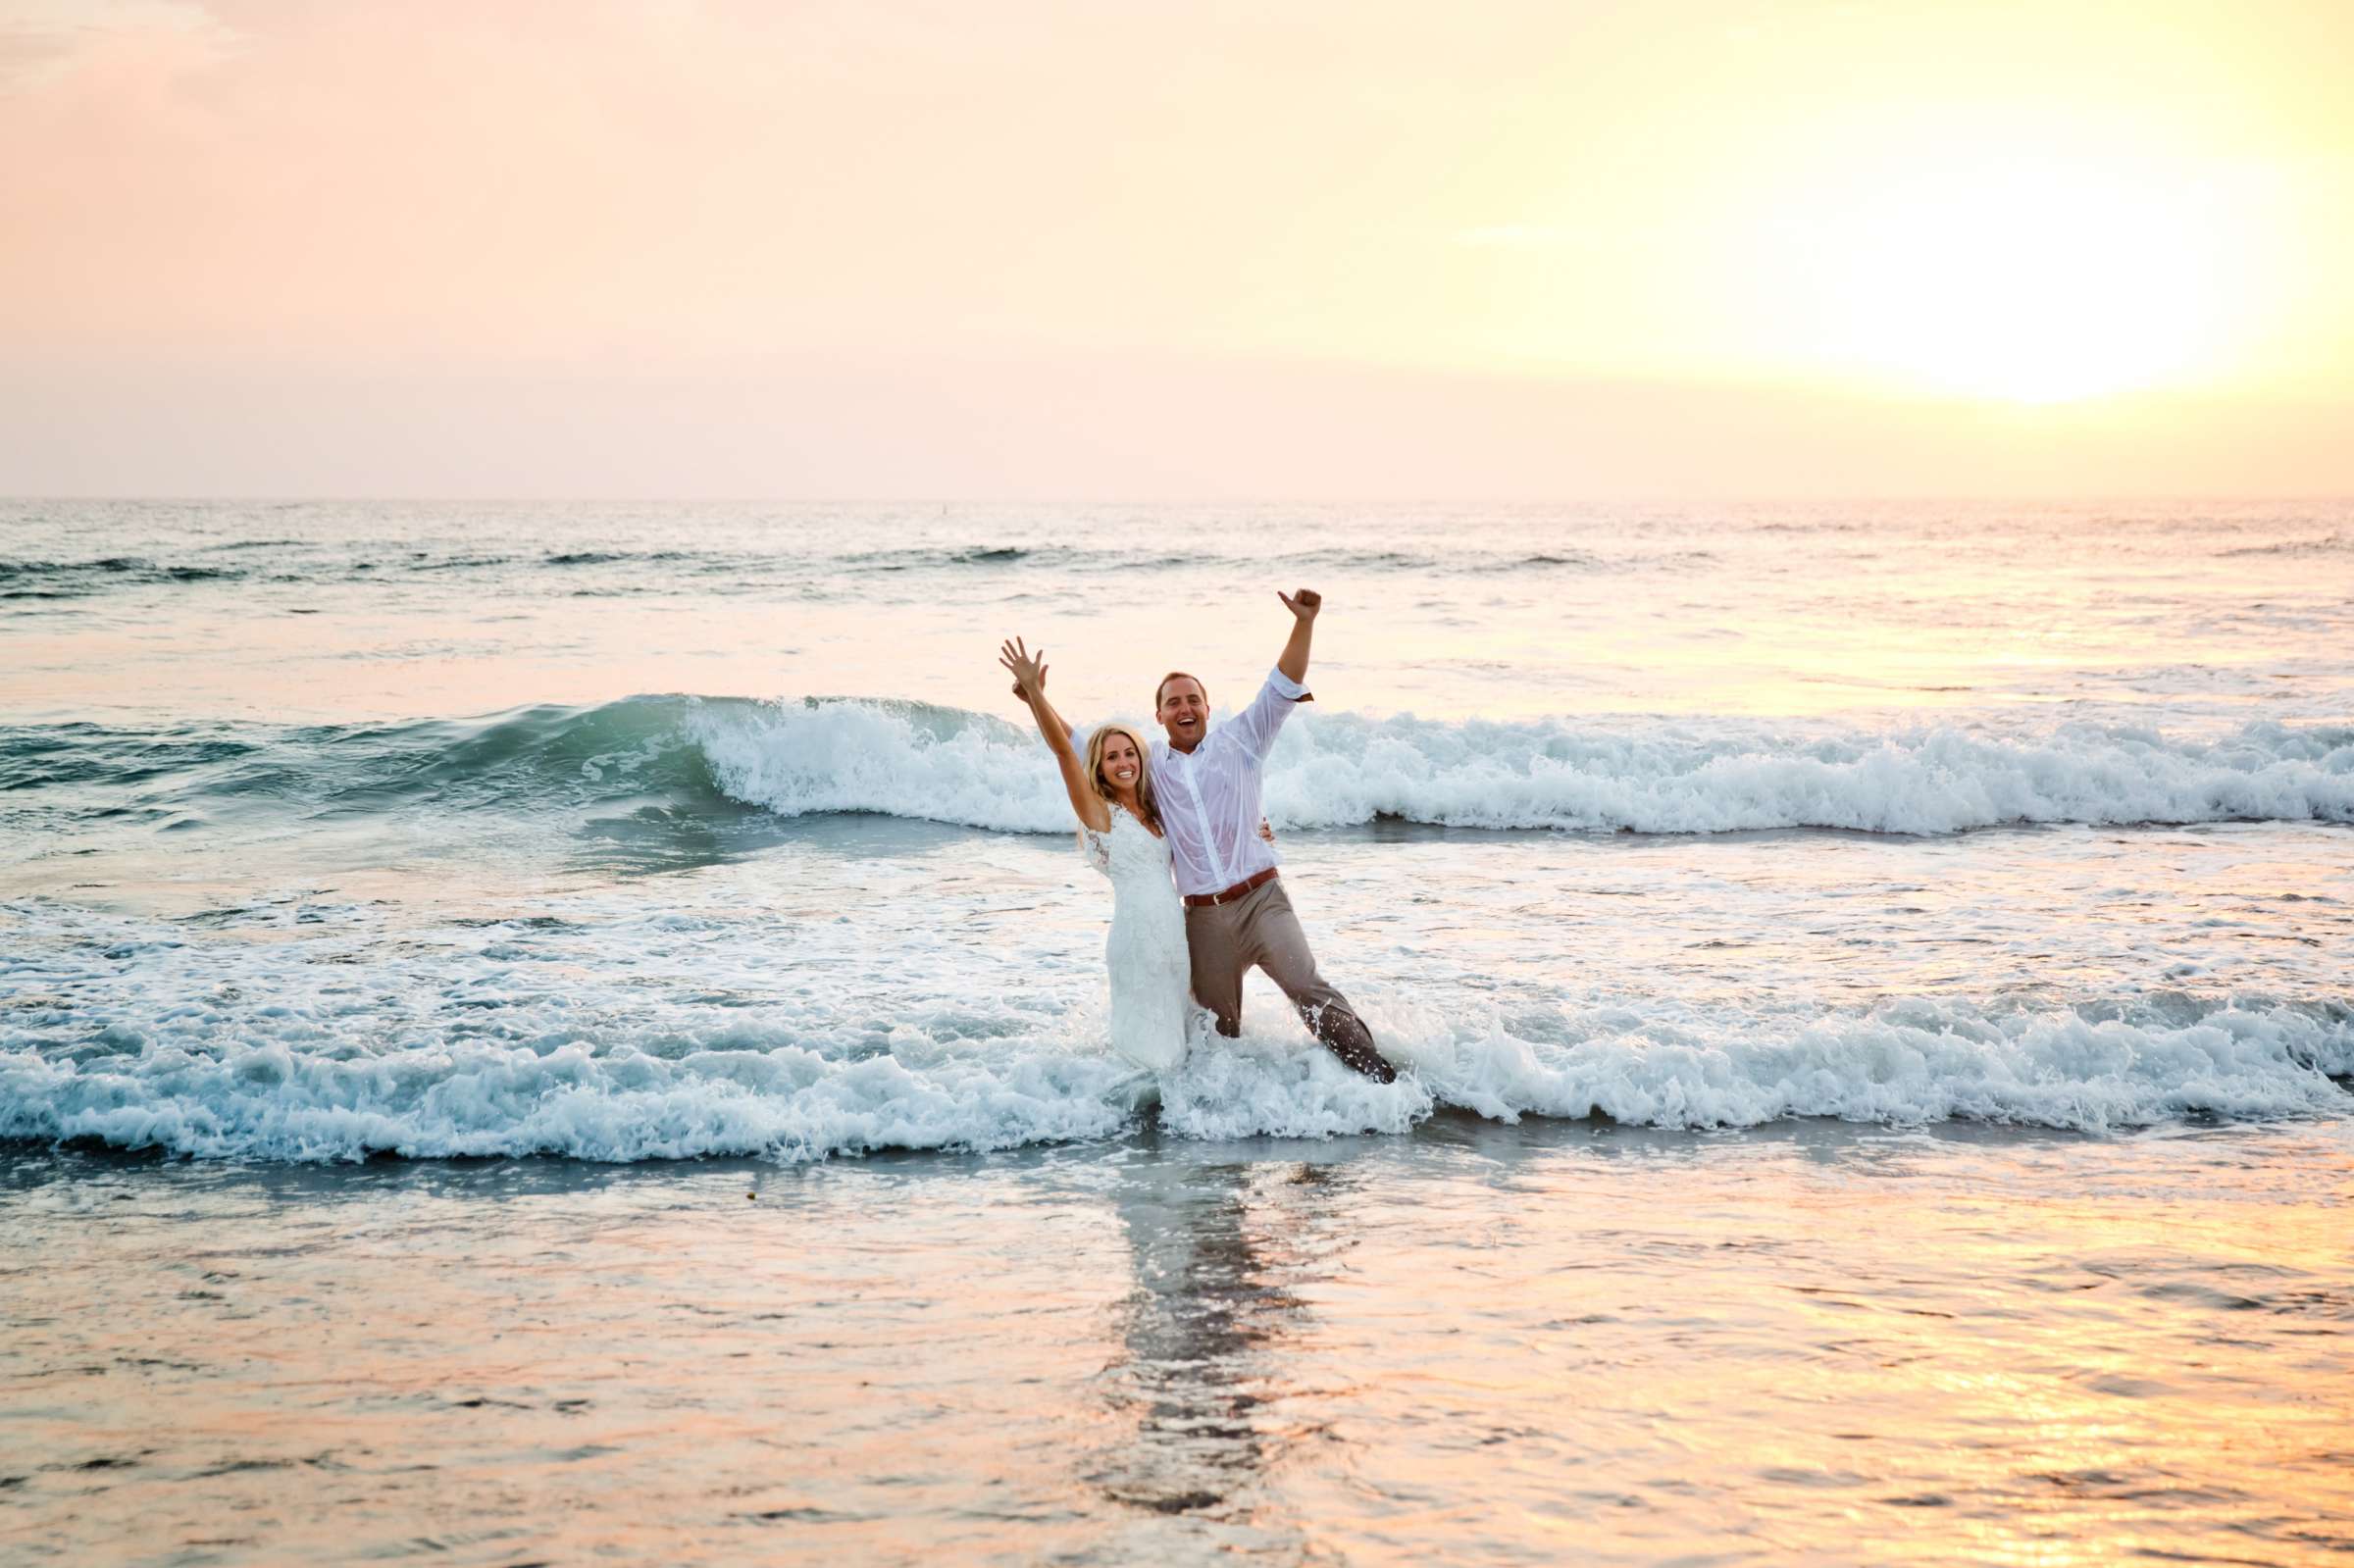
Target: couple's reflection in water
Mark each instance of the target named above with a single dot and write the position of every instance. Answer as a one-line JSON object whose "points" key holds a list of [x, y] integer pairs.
{"points": [[1216, 1331]]}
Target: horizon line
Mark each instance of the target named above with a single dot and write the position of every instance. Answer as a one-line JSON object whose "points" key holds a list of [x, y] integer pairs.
{"points": [[1859, 498]]}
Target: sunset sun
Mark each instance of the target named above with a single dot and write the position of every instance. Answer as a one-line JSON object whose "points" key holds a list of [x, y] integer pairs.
{"points": [[2039, 282]]}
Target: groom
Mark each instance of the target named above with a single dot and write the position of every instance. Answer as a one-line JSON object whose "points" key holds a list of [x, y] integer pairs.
{"points": [[1206, 785]]}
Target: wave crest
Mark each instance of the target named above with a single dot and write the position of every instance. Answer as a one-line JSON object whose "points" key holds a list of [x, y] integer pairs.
{"points": [[1342, 769], [1906, 1062], [914, 760]]}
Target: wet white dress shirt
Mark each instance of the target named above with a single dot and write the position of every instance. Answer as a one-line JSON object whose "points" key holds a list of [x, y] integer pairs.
{"points": [[1208, 796]]}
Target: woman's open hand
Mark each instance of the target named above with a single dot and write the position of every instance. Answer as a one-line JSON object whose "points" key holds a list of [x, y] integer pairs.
{"points": [[1029, 669]]}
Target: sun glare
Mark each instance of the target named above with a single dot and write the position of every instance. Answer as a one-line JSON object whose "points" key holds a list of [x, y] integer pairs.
{"points": [[2029, 282]]}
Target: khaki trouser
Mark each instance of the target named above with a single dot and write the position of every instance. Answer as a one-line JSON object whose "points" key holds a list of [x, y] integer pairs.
{"points": [[1259, 928]]}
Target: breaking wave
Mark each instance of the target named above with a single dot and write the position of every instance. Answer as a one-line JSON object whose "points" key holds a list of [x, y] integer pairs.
{"points": [[914, 760], [311, 1082], [1340, 770]]}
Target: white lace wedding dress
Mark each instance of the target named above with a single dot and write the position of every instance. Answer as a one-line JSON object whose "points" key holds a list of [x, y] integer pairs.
{"points": [[1151, 978]]}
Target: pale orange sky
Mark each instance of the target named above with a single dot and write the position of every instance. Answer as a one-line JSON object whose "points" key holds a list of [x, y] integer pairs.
{"points": [[1021, 249]]}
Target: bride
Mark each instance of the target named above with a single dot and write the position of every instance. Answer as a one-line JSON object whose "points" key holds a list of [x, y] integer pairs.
{"points": [[1119, 829]]}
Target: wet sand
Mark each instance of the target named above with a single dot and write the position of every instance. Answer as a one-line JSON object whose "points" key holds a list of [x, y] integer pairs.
{"points": [[1478, 1343]]}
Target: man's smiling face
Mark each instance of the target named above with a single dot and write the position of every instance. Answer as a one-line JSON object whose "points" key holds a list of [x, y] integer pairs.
{"points": [[1183, 709]]}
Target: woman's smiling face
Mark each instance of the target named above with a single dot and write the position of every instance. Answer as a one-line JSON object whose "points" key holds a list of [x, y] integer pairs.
{"points": [[1123, 764]]}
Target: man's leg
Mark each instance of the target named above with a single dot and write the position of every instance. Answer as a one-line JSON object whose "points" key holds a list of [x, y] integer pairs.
{"points": [[1210, 941], [1273, 939]]}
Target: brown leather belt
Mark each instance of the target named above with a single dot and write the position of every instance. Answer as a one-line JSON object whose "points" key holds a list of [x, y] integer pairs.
{"points": [[1205, 900]]}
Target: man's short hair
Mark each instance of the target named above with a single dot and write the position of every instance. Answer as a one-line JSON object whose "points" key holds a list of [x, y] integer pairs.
{"points": [[1176, 675]]}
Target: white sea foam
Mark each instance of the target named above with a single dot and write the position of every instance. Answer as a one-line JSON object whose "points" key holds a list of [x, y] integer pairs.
{"points": [[302, 1082], [1909, 1062], [1668, 777], [275, 1102], [798, 759], [1333, 770]]}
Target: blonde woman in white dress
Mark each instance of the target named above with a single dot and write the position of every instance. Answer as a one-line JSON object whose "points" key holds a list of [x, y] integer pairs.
{"points": [[1120, 832]]}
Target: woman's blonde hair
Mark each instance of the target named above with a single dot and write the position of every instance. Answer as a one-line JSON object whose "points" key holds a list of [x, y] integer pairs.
{"points": [[1144, 769]]}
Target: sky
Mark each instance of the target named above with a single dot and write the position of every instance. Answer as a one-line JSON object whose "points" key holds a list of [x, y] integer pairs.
{"points": [[1298, 249]]}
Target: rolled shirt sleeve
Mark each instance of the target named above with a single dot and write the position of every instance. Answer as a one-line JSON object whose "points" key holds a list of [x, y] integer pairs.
{"points": [[1255, 726]]}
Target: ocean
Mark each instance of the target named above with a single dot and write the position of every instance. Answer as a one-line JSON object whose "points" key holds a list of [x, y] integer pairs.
{"points": [[1872, 981]]}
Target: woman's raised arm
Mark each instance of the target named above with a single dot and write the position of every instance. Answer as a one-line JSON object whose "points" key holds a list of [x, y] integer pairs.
{"points": [[1030, 680]]}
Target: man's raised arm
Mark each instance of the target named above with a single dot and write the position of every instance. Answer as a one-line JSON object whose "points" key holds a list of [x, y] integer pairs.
{"points": [[1255, 725], [1303, 606]]}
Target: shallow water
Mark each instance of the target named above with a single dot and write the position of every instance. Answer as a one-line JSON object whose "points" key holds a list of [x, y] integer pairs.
{"points": [[1482, 1343]]}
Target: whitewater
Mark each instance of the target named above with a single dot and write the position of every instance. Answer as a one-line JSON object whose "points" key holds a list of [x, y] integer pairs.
{"points": [[650, 833]]}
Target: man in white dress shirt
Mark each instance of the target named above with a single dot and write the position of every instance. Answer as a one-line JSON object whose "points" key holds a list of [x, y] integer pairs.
{"points": [[1236, 913]]}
